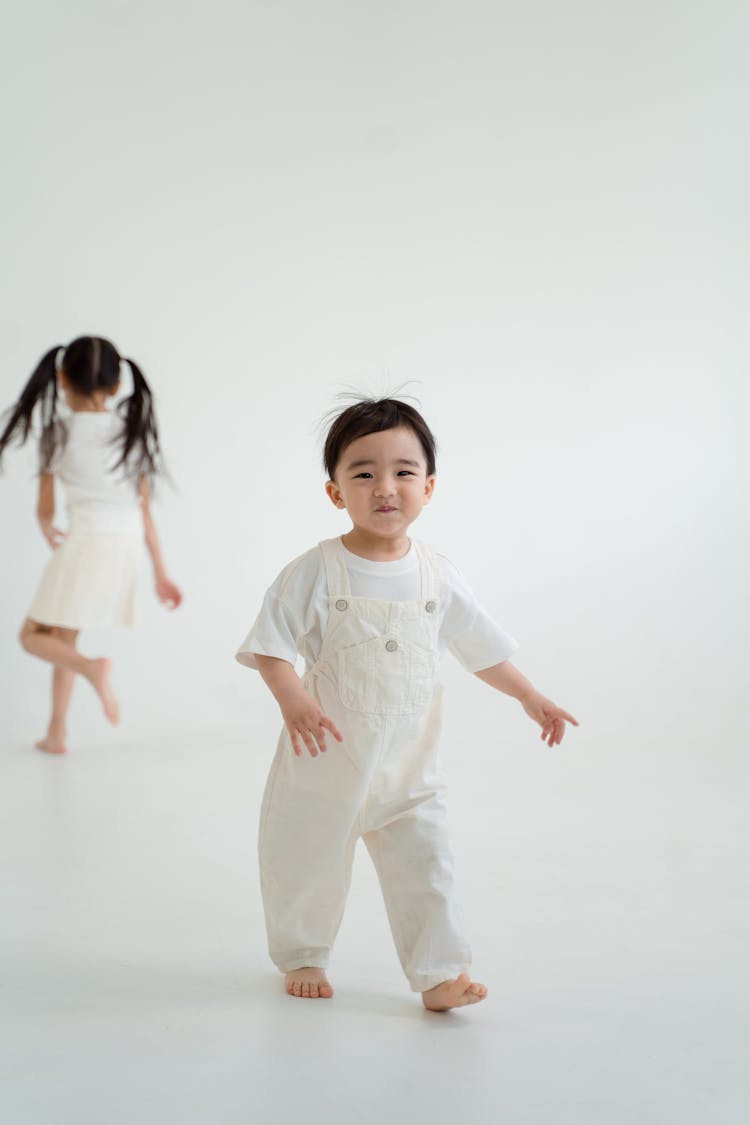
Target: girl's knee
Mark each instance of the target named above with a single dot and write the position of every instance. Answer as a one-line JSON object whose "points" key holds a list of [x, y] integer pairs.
{"points": [[28, 630]]}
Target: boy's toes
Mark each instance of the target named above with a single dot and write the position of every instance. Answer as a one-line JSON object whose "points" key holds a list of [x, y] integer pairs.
{"points": [[309, 983], [454, 994], [473, 997]]}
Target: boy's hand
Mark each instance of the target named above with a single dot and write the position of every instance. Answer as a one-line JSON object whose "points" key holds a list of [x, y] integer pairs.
{"points": [[306, 722], [304, 719], [551, 718]]}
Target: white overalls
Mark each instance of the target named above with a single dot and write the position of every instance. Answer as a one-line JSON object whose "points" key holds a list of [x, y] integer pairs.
{"points": [[376, 677]]}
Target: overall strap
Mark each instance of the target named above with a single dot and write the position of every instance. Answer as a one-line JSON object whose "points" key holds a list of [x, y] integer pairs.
{"points": [[337, 575], [429, 572]]}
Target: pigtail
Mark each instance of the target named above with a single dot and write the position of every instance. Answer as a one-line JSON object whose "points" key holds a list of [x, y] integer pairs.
{"points": [[41, 390], [140, 453]]}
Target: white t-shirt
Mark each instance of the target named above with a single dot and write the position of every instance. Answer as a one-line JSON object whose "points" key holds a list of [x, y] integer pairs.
{"points": [[294, 613], [97, 499]]}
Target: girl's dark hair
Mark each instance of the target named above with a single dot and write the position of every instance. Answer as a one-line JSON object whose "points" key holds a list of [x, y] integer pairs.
{"points": [[370, 416], [90, 364]]}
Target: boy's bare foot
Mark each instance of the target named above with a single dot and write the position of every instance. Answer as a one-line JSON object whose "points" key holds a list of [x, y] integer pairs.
{"points": [[52, 744], [309, 982], [453, 994], [102, 668]]}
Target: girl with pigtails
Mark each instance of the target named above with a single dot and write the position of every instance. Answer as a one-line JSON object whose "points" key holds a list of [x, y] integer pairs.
{"points": [[106, 460]]}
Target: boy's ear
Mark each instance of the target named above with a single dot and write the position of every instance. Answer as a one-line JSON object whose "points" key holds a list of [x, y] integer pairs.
{"points": [[334, 493], [429, 488]]}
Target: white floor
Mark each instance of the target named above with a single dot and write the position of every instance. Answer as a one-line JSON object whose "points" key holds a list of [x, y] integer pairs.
{"points": [[136, 989]]}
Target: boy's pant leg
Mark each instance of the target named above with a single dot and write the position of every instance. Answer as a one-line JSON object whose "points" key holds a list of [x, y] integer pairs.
{"points": [[306, 849], [414, 860]]}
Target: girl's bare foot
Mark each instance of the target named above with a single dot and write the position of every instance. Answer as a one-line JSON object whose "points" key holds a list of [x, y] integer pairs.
{"points": [[52, 744], [100, 674], [453, 994], [309, 982]]}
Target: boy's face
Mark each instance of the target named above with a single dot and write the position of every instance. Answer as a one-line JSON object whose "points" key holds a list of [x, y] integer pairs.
{"points": [[381, 479]]}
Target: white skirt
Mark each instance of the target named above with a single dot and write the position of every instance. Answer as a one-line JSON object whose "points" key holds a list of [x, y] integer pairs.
{"points": [[90, 581]]}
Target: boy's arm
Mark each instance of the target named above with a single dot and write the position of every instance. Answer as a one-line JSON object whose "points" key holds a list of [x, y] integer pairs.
{"points": [[166, 590], [506, 678], [45, 510], [303, 717]]}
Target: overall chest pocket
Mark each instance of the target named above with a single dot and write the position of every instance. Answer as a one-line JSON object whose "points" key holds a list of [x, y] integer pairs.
{"points": [[386, 676]]}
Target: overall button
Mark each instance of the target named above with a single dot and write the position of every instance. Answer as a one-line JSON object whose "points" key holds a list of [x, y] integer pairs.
{"points": [[431, 607], [391, 645], [341, 604]]}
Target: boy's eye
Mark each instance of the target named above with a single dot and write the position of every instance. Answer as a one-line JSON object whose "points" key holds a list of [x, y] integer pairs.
{"points": [[368, 476]]}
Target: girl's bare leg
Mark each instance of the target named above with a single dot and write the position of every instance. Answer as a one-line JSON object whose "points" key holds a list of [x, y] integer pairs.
{"points": [[54, 742], [46, 642]]}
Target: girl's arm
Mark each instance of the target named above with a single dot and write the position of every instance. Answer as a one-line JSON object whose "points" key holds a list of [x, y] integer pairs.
{"points": [[45, 510], [303, 717], [166, 590], [506, 678]]}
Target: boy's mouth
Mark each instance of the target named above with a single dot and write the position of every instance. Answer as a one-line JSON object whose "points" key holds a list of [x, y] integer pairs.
{"points": [[386, 508]]}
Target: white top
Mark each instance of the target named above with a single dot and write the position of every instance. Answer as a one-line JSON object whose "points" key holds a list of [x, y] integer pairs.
{"points": [[97, 499], [293, 616]]}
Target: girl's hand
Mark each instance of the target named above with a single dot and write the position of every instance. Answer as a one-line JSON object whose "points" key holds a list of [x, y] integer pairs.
{"points": [[53, 535], [551, 718], [306, 722], [167, 593]]}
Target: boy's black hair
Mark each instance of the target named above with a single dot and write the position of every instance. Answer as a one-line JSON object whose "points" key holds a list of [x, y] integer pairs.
{"points": [[370, 416], [90, 364]]}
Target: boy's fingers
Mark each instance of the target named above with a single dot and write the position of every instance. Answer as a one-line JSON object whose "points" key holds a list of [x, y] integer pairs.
{"points": [[331, 726], [310, 743], [314, 736], [298, 733]]}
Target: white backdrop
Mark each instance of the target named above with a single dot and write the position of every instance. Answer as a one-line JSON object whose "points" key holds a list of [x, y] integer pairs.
{"points": [[533, 214], [536, 212]]}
